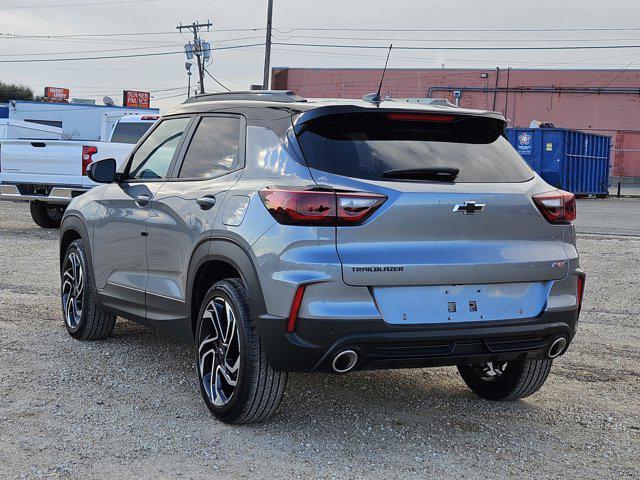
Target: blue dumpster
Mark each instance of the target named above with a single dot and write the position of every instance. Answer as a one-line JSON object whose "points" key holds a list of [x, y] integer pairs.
{"points": [[577, 162]]}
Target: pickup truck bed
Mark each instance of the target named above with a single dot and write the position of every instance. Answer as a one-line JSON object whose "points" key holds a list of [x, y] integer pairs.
{"points": [[50, 173], [50, 170]]}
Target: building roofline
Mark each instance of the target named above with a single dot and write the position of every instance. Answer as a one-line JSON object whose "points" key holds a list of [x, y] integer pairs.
{"points": [[470, 69], [79, 105]]}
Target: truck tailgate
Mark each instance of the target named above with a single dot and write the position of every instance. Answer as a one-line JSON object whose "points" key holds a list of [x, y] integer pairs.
{"points": [[41, 161]]}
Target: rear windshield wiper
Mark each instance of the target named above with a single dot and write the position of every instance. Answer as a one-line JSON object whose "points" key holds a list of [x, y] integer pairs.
{"points": [[443, 174]]}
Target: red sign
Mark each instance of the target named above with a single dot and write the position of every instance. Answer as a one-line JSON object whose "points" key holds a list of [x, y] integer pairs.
{"points": [[132, 98], [57, 93]]}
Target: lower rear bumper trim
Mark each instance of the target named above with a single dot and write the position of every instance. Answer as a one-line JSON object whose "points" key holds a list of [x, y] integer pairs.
{"points": [[380, 346], [59, 195]]}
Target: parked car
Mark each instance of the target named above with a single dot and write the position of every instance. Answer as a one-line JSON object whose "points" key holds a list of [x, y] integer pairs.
{"points": [[50, 173], [280, 234]]}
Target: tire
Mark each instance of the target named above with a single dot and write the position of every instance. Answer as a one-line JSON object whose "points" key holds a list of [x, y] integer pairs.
{"points": [[507, 380], [258, 388], [46, 215], [83, 316]]}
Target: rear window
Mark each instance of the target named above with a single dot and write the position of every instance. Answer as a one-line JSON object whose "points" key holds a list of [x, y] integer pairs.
{"points": [[129, 132], [367, 145]]}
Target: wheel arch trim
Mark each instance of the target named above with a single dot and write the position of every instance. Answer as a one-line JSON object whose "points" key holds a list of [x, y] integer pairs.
{"points": [[227, 250], [75, 223]]}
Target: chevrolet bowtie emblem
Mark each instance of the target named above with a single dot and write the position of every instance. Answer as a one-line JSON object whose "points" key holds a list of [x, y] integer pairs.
{"points": [[469, 208]]}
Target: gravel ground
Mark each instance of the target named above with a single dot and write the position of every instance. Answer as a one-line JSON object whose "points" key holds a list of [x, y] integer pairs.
{"points": [[129, 407]]}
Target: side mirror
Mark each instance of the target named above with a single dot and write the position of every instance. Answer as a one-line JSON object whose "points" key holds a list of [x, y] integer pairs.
{"points": [[102, 171]]}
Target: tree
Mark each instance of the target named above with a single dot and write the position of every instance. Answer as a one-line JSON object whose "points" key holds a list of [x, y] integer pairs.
{"points": [[13, 91]]}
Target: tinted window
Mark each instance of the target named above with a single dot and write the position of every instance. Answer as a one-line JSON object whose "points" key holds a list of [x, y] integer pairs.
{"points": [[153, 157], [51, 123], [214, 149], [129, 132], [368, 145]]}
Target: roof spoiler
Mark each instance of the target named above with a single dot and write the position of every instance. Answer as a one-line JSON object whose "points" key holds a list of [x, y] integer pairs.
{"points": [[285, 96]]}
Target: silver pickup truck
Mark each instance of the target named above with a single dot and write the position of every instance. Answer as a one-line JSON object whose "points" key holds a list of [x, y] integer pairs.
{"points": [[50, 173]]}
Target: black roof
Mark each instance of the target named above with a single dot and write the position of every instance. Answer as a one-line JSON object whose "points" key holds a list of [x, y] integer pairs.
{"points": [[293, 103]]}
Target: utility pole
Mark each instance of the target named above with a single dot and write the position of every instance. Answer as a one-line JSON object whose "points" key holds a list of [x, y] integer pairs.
{"points": [[267, 48], [198, 47]]}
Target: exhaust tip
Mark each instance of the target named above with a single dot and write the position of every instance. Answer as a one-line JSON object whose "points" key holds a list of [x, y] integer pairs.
{"points": [[558, 347], [344, 361]]}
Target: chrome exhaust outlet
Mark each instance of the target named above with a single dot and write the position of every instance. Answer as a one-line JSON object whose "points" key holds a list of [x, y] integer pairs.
{"points": [[557, 348], [344, 361]]}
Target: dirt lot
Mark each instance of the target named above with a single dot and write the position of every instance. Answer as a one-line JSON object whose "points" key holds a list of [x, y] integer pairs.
{"points": [[129, 407]]}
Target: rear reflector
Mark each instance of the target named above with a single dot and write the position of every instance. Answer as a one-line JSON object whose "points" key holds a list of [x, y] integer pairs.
{"points": [[557, 206], [420, 117], [319, 208], [580, 291], [295, 308], [87, 156]]}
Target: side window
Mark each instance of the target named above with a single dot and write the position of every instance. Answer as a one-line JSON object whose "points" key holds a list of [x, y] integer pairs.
{"points": [[153, 157], [129, 132], [214, 148]]}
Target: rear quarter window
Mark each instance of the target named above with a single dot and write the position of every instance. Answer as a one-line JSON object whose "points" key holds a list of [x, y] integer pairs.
{"points": [[129, 132], [365, 146]]}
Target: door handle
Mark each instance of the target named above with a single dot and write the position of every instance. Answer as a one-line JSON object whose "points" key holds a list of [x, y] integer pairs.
{"points": [[142, 200], [207, 202]]}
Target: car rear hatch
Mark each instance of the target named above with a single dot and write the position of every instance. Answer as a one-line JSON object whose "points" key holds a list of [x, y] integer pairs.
{"points": [[459, 237]]}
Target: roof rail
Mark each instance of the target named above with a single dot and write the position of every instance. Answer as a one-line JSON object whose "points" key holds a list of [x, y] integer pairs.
{"points": [[265, 95]]}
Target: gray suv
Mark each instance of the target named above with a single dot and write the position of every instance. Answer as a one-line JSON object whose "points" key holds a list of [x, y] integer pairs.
{"points": [[283, 234]]}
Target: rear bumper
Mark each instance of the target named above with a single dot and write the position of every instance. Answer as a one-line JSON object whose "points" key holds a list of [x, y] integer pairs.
{"points": [[380, 345], [44, 193]]}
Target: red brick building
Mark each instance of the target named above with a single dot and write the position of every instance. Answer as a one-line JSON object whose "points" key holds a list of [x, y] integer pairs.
{"points": [[602, 101]]}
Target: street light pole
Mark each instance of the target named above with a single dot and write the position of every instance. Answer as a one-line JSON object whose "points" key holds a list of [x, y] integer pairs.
{"points": [[267, 48], [188, 65]]}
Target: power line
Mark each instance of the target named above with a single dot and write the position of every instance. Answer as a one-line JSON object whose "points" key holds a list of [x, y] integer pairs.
{"points": [[406, 47], [138, 42], [147, 54], [248, 6], [205, 7], [254, 37], [86, 4], [217, 81], [495, 40], [170, 96], [569, 29], [420, 59], [622, 70], [120, 34], [251, 12], [82, 51], [287, 31]]}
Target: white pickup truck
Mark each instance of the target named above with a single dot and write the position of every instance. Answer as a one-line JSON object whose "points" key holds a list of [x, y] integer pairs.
{"points": [[50, 173]]}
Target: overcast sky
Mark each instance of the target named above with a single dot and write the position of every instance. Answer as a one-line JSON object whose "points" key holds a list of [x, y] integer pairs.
{"points": [[164, 75]]}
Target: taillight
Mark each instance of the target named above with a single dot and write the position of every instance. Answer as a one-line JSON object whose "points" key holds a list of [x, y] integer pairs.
{"points": [[557, 206], [319, 208], [580, 291], [354, 208], [420, 117], [87, 156]]}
